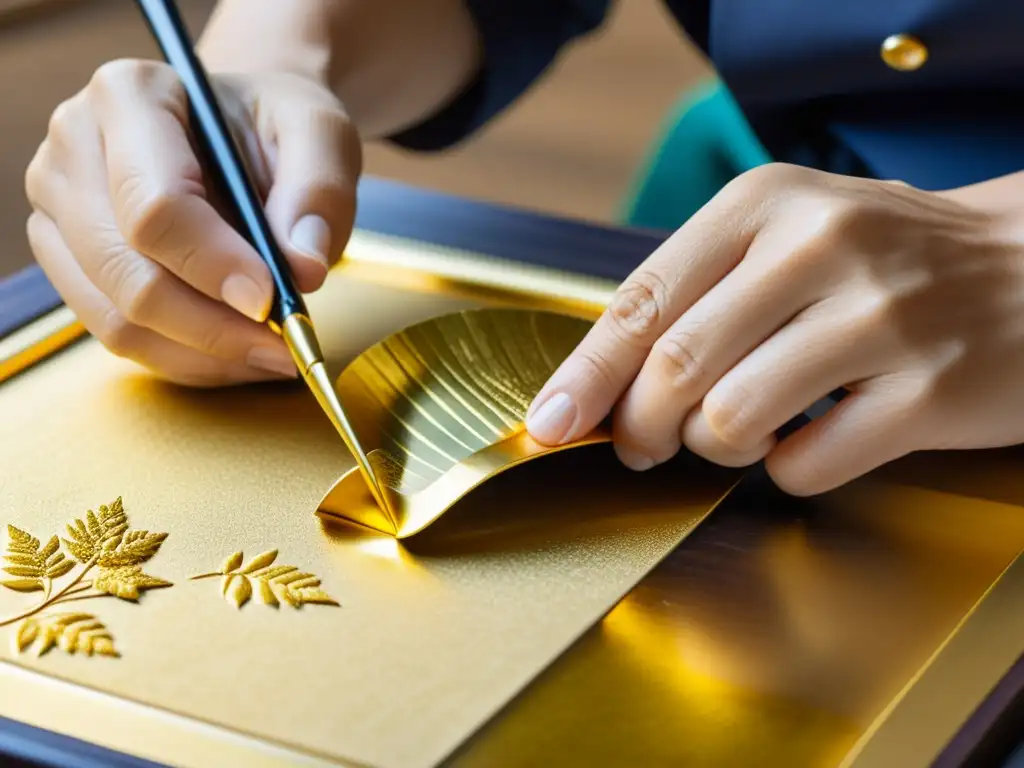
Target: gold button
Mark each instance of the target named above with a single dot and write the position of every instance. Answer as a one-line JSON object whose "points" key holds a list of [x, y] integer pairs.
{"points": [[904, 53]]}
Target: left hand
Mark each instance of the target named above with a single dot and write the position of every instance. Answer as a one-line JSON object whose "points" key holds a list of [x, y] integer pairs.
{"points": [[790, 284]]}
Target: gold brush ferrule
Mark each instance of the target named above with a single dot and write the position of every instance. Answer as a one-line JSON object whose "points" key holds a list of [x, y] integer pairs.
{"points": [[297, 331]]}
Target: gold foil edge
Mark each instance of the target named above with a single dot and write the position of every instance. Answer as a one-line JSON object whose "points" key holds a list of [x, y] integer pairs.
{"points": [[936, 702], [37, 341]]}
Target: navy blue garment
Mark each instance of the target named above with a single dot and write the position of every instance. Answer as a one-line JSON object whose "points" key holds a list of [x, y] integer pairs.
{"points": [[809, 77]]}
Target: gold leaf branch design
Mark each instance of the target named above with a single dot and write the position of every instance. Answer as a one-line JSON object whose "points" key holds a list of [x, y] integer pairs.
{"points": [[71, 632], [99, 540], [106, 559], [34, 568], [272, 584]]}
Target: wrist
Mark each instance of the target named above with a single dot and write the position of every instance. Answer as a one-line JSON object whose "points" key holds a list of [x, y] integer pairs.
{"points": [[288, 38]]}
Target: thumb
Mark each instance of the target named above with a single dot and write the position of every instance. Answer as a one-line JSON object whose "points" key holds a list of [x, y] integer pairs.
{"points": [[312, 200]]}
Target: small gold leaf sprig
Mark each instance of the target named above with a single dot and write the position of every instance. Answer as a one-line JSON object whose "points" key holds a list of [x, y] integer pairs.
{"points": [[100, 544], [272, 584]]}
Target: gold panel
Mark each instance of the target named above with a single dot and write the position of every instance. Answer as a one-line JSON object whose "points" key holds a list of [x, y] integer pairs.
{"points": [[335, 642], [859, 628]]}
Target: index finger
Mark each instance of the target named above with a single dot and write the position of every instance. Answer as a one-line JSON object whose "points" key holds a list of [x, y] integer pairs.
{"points": [[156, 187], [582, 391]]}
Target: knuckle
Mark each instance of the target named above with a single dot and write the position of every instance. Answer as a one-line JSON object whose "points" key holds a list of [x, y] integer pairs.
{"points": [[730, 415], [833, 218], [33, 232], [63, 119], [334, 190], [918, 396], [676, 357], [37, 176], [135, 286], [333, 119], [215, 340], [147, 214], [876, 312], [118, 335], [637, 308], [114, 76], [768, 177], [792, 478]]}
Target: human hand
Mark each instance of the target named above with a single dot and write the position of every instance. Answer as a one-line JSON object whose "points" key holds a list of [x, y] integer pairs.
{"points": [[789, 285], [128, 233]]}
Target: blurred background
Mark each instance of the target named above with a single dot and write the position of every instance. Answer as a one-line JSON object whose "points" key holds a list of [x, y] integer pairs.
{"points": [[570, 147]]}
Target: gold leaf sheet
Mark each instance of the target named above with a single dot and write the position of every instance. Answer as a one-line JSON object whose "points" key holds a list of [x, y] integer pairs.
{"points": [[429, 639]]}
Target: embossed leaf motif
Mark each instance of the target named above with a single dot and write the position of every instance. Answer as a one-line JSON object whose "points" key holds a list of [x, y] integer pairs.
{"points": [[32, 562], [126, 581], [109, 564], [99, 532], [71, 632], [272, 584], [134, 548]]}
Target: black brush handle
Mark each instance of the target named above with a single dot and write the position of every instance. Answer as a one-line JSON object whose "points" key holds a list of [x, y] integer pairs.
{"points": [[225, 159]]}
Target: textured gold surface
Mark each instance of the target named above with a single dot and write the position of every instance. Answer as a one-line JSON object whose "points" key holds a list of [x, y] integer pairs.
{"points": [[870, 619], [440, 407], [430, 640]]}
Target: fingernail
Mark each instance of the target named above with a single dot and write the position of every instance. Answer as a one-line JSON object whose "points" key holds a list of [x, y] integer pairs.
{"points": [[552, 422], [244, 294], [273, 359], [635, 461], [312, 238]]}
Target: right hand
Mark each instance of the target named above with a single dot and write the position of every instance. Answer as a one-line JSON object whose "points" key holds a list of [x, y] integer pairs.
{"points": [[127, 233]]}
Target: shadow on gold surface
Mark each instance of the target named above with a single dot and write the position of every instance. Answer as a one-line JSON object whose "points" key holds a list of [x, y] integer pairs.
{"points": [[588, 494], [780, 631], [439, 408]]}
